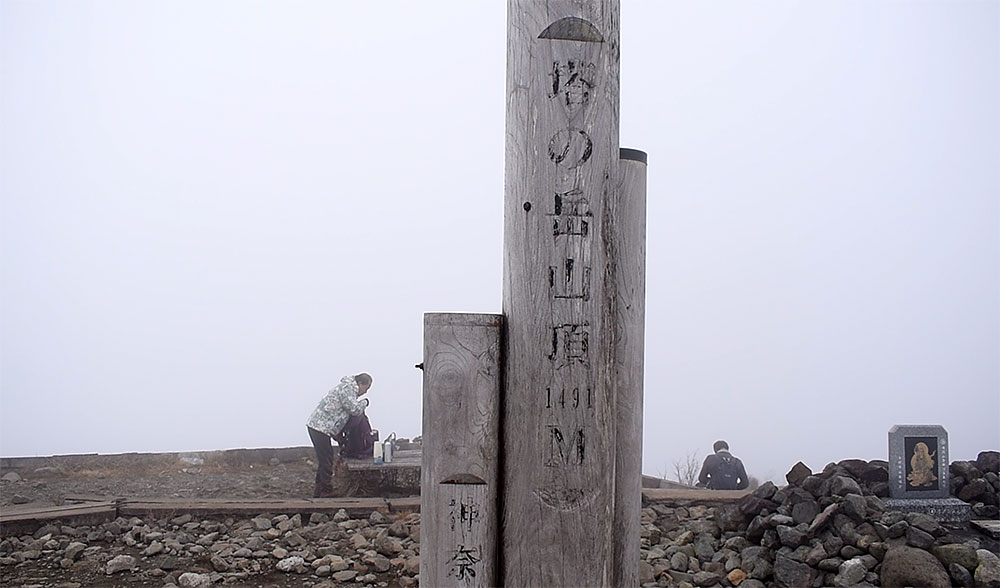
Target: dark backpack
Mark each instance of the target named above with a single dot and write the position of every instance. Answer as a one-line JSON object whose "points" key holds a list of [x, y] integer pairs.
{"points": [[726, 473]]}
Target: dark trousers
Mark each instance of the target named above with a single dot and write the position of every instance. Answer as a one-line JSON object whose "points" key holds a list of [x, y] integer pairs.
{"points": [[324, 459]]}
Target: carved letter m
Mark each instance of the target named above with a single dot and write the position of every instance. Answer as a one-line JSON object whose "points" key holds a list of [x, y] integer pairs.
{"points": [[563, 451]]}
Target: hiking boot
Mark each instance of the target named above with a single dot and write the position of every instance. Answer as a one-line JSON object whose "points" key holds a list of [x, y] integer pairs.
{"points": [[324, 489]]}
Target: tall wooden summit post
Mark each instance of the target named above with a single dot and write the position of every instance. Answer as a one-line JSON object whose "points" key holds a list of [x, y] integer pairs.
{"points": [[559, 303]]}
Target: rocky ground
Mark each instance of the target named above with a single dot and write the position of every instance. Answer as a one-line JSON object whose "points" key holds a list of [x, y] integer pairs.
{"points": [[275, 551], [830, 528], [825, 529]]}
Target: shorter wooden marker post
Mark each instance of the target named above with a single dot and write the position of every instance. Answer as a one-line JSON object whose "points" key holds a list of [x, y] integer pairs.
{"points": [[459, 471]]}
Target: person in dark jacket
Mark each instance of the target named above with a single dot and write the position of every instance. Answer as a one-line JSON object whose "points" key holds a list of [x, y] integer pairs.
{"points": [[722, 470]]}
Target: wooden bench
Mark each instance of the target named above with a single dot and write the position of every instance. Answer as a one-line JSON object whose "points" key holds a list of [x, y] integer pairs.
{"points": [[362, 477]]}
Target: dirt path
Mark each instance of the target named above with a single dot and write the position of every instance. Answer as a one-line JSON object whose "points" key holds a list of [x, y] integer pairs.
{"points": [[216, 475]]}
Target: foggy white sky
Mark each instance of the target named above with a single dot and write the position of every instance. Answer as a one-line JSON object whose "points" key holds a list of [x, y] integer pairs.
{"points": [[211, 211]]}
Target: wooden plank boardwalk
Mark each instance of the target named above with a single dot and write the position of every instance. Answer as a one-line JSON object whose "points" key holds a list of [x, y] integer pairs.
{"points": [[691, 495], [14, 514], [86, 509], [15, 519], [222, 506]]}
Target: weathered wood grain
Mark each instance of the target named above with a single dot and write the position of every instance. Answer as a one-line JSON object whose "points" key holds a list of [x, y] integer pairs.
{"points": [[558, 301], [460, 470], [692, 496], [17, 520], [35, 512], [409, 459], [84, 498], [628, 219], [240, 506]]}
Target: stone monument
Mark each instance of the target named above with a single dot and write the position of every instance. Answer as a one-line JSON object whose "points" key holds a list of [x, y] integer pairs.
{"points": [[919, 475]]}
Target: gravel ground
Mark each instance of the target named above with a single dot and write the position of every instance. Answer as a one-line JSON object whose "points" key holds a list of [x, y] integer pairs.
{"points": [[195, 552], [829, 528]]}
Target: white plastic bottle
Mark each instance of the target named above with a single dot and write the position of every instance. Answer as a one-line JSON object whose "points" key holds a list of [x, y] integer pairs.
{"points": [[377, 450]]}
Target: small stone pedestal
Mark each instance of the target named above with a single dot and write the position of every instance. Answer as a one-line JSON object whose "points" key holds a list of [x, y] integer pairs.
{"points": [[918, 474], [945, 510]]}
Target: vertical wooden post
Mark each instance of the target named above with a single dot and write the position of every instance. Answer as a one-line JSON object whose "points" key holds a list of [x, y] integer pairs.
{"points": [[628, 212], [459, 469], [559, 408]]}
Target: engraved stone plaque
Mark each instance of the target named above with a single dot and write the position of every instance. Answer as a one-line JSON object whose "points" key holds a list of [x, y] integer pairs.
{"points": [[918, 461]]}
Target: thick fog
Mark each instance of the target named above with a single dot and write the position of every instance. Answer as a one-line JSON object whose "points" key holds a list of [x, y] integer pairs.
{"points": [[211, 211]]}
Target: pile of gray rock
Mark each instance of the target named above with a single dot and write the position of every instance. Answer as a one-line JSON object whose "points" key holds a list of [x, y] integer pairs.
{"points": [[978, 483], [824, 529], [187, 552]]}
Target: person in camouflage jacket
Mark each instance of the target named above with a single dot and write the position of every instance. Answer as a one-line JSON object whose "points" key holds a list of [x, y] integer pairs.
{"points": [[327, 422]]}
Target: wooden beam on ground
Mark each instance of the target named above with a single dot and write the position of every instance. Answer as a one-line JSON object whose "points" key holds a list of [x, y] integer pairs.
{"points": [[695, 496], [90, 498], [460, 471], [559, 406], [17, 519], [407, 504], [163, 507]]}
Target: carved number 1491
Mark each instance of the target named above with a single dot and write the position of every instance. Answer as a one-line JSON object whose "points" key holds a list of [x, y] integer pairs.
{"points": [[560, 398]]}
